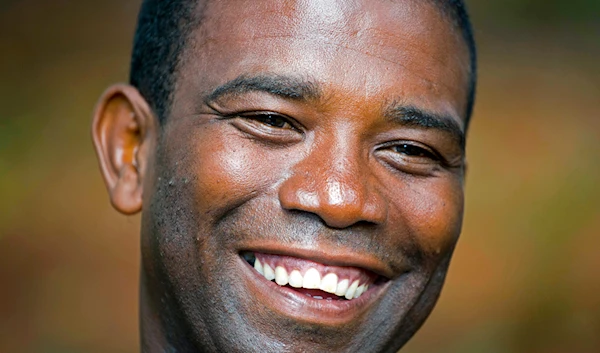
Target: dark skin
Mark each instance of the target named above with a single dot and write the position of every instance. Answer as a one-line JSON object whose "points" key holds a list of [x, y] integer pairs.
{"points": [[329, 132]]}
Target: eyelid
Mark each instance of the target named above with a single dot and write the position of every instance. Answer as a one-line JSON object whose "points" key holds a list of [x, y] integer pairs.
{"points": [[295, 125], [392, 144], [253, 128], [439, 160]]}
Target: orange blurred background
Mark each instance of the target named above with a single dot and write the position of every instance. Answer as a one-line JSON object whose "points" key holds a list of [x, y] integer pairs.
{"points": [[526, 273]]}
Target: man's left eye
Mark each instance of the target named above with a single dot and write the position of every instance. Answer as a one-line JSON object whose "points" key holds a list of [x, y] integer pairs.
{"points": [[272, 120], [414, 151]]}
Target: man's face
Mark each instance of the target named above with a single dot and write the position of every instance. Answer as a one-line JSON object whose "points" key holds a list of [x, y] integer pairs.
{"points": [[323, 139]]}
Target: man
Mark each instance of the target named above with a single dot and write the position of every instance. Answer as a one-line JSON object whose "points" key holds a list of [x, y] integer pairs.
{"points": [[299, 166]]}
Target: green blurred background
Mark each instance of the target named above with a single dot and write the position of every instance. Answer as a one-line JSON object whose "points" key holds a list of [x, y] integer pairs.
{"points": [[526, 273]]}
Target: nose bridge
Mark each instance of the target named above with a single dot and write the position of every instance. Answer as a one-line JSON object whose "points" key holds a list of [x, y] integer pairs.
{"points": [[333, 181]]}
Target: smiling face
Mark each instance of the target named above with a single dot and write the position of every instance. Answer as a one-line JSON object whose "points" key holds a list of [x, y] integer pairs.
{"points": [[306, 190]]}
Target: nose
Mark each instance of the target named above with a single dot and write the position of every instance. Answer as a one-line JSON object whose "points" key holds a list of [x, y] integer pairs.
{"points": [[334, 182]]}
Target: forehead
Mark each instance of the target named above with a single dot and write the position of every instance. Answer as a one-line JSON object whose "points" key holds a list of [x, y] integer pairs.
{"points": [[363, 48]]}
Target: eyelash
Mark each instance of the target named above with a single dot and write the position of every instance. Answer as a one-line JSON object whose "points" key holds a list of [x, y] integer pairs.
{"points": [[415, 151], [411, 157], [270, 119], [267, 127]]}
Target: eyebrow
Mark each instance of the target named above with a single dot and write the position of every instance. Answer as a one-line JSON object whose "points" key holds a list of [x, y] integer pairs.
{"points": [[288, 87], [415, 117]]}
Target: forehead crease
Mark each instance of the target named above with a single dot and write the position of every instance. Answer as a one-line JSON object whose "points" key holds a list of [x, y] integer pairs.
{"points": [[434, 53], [399, 59], [244, 16], [387, 59]]}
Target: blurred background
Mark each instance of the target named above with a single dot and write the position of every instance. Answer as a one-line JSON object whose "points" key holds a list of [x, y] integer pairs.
{"points": [[526, 274]]}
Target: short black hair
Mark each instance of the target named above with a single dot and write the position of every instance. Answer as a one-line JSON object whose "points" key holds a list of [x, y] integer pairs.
{"points": [[163, 29], [456, 11], [162, 32]]}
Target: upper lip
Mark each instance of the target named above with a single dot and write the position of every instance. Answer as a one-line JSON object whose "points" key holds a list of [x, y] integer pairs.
{"points": [[336, 257]]}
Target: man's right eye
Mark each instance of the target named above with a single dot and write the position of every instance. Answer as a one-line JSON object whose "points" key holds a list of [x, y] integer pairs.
{"points": [[268, 127]]}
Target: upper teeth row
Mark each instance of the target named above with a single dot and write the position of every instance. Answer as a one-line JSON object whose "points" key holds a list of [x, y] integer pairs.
{"points": [[311, 280]]}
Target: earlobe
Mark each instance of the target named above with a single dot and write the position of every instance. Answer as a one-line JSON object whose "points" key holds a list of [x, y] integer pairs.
{"points": [[123, 132]]}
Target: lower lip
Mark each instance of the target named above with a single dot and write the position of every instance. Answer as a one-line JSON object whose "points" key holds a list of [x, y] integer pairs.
{"points": [[292, 303]]}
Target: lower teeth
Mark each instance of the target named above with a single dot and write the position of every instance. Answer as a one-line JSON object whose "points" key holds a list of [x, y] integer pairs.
{"points": [[317, 294]]}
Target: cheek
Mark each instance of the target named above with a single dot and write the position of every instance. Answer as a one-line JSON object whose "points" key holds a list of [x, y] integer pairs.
{"points": [[432, 211], [224, 169]]}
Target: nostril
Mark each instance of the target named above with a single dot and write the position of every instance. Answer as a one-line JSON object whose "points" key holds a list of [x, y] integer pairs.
{"points": [[355, 225], [365, 224]]}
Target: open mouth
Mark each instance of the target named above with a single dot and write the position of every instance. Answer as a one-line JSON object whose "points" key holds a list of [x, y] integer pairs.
{"points": [[315, 280]]}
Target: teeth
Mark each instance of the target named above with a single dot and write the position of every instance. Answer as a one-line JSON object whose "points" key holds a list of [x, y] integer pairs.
{"points": [[269, 274], [359, 291], [342, 287], [329, 283], [312, 279], [281, 276], [258, 267], [296, 279], [350, 292]]}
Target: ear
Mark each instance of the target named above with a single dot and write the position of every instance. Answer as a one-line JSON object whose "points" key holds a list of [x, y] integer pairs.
{"points": [[124, 131]]}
